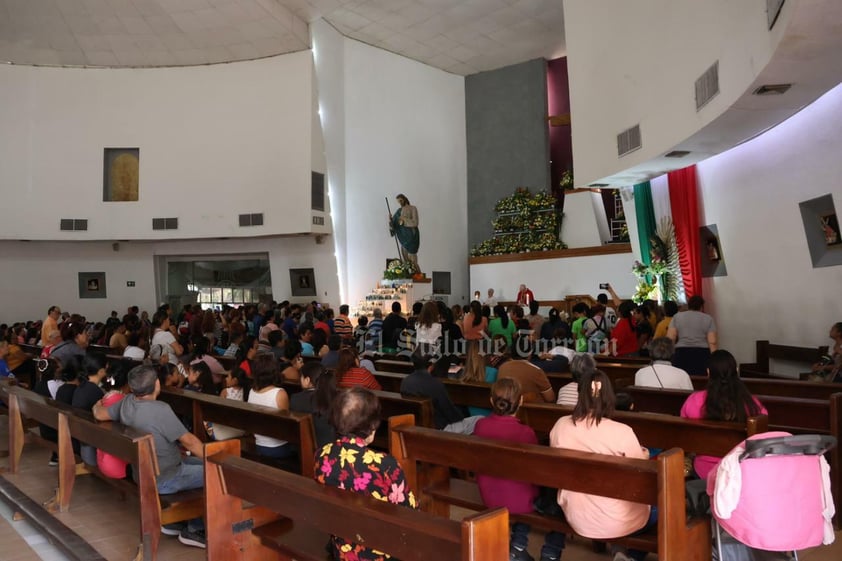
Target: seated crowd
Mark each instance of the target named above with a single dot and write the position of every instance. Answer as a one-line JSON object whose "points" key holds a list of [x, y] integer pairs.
{"points": [[83, 364]]}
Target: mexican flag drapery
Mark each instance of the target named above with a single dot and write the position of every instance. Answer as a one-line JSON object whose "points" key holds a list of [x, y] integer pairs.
{"points": [[670, 198]]}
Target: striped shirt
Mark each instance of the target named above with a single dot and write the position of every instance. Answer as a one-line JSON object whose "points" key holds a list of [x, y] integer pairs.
{"points": [[342, 327], [358, 377]]}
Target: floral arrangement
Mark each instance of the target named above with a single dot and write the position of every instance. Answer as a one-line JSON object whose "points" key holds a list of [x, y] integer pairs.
{"points": [[525, 220], [663, 267], [518, 243], [398, 269], [523, 200], [566, 180]]}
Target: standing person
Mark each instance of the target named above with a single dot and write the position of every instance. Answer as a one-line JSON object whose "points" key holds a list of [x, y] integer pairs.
{"points": [[670, 309], [694, 335], [491, 300], [373, 336], [516, 496], [661, 373], [474, 325], [404, 224], [623, 337], [502, 325], [348, 463], [643, 329], [535, 319], [725, 399], [580, 314], [610, 307], [596, 329], [50, 324], [393, 325], [141, 410], [163, 341], [524, 296], [428, 328], [591, 429], [342, 326]]}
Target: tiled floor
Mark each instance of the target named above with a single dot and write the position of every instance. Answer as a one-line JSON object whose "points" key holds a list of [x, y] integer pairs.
{"points": [[111, 524]]}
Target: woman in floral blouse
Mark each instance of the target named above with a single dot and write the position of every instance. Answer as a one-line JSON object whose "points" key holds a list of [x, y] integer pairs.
{"points": [[349, 464]]}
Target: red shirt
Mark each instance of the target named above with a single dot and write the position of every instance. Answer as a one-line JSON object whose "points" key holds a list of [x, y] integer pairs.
{"points": [[359, 377], [324, 327], [624, 338], [517, 496]]}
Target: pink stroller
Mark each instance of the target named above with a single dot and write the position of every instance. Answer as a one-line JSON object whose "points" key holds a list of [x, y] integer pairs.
{"points": [[772, 494]]}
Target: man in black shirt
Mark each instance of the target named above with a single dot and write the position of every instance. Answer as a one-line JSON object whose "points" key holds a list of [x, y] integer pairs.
{"points": [[422, 384], [392, 326]]}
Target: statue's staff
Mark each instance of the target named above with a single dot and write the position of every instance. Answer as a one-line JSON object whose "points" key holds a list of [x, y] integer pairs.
{"points": [[392, 228]]}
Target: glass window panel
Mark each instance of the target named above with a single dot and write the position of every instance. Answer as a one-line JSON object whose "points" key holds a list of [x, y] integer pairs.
{"points": [[226, 295], [247, 296], [237, 293], [216, 295]]}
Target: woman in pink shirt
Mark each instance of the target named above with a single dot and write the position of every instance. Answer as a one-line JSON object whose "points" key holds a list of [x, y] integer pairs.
{"points": [[725, 399], [474, 324], [517, 496], [590, 429]]}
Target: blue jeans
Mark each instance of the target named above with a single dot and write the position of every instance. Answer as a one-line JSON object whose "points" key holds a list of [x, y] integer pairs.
{"points": [[190, 475], [553, 542]]}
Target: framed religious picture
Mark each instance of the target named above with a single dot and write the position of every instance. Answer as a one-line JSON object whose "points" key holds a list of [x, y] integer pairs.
{"points": [[302, 282], [830, 229], [712, 260], [821, 231], [120, 175], [92, 285]]}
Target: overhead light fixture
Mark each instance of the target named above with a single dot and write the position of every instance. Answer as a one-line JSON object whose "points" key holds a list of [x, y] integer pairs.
{"points": [[598, 185], [676, 154], [772, 89]]}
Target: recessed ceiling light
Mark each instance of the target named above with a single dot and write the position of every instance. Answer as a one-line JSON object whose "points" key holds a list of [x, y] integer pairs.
{"points": [[772, 89], [676, 154]]}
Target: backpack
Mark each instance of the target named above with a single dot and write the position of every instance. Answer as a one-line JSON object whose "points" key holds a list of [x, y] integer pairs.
{"points": [[599, 333]]}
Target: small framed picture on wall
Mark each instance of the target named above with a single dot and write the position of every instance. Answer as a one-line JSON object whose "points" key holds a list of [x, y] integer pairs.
{"points": [[302, 282], [92, 285], [830, 230]]}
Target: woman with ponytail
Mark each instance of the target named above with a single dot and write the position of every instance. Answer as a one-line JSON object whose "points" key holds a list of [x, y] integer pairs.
{"points": [[591, 429], [517, 496], [725, 399]]}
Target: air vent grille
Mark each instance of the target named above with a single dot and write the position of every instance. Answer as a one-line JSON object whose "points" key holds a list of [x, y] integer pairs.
{"points": [[319, 220], [165, 223], [251, 220], [73, 224], [317, 196], [707, 86], [772, 89], [628, 141]]}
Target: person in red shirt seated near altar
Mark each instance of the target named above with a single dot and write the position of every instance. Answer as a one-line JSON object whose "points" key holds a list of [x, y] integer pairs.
{"points": [[524, 296], [623, 337]]}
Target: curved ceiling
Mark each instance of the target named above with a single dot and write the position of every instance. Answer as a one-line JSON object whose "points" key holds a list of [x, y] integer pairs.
{"points": [[461, 37]]}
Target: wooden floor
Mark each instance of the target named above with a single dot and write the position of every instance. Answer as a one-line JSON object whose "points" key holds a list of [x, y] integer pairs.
{"points": [[111, 525]]}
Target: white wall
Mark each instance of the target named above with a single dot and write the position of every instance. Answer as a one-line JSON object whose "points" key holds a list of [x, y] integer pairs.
{"points": [[554, 279], [37, 275], [636, 62], [392, 125], [215, 141], [752, 193]]}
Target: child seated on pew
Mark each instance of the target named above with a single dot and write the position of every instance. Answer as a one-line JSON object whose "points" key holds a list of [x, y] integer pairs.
{"points": [[590, 429], [517, 496], [118, 379], [200, 379], [236, 389]]}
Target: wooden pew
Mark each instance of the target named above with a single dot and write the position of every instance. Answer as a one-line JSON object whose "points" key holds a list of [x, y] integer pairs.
{"points": [[780, 387], [255, 512], [766, 351], [391, 404], [790, 414], [657, 482], [399, 366], [295, 428], [657, 430], [131, 445]]}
